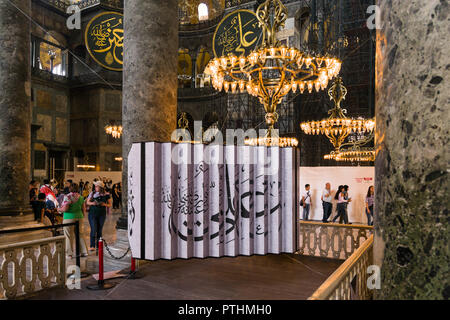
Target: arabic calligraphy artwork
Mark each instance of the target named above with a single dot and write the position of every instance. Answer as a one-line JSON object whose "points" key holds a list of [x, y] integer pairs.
{"points": [[238, 33], [104, 40], [196, 206]]}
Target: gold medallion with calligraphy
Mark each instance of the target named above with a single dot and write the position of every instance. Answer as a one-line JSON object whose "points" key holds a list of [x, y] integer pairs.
{"points": [[238, 33], [104, 40]]}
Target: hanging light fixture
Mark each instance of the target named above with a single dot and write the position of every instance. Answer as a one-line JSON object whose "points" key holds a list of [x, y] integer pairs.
{"points": [[273, 70], [356, 152], [352, 155], [115, 131], [338, 127], [281, 142]]}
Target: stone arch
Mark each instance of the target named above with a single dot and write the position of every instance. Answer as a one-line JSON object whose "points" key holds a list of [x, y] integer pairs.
{"points": [[303, 23]]}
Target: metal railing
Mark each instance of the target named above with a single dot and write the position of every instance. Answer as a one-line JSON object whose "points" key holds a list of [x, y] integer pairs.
{"points": [[349, 281], [331, 240]]}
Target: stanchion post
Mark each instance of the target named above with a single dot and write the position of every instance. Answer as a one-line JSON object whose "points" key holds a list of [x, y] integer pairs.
{"points": [[101, 281], [101, 285], [132, 274], [77, 244]]}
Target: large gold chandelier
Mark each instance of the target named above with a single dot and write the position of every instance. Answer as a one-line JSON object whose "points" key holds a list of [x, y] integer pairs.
{"points": [[271, 71], [337, 127], [115, 131]]}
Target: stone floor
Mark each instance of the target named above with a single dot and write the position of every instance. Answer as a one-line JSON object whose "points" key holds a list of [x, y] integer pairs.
{"points": [[287, 277], [117, 248]]}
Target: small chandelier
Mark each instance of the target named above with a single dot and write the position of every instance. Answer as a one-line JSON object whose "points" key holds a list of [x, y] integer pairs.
{"points": [[281, 142], [352, 155], [337, 127], [115, 131], [273, 70], [356, 152]]}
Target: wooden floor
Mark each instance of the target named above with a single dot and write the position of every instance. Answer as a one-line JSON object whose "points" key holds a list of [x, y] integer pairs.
{"points": [[287, 277]]}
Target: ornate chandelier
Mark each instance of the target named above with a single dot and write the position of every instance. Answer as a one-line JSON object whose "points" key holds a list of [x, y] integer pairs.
{"points": [[352, 155], [337, 127], [356, 152], [115, 131], [268, 141], [273, 70]]}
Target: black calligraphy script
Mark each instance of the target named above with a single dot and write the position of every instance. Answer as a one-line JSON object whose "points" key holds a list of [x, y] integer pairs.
{"points": [[131, 210], [240, 203]]}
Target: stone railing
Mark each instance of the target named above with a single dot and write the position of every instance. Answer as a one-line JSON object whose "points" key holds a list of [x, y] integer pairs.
{"points": [[349, 281], [196, 93], [32, 266], [331, 240], [48, 76], [186, 29]]}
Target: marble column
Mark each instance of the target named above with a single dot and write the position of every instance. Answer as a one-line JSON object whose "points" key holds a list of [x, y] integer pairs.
{"points": [[15, 113], [412, 138], [149, 76]]}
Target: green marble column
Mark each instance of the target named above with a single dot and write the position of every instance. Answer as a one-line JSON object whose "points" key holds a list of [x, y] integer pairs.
{"points": [[15, 113], [412, 183], [149, 77]]}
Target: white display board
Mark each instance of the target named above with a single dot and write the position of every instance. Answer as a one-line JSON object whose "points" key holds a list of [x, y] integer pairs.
{"points": [[192, 200], [76, 176], [359, 179]]}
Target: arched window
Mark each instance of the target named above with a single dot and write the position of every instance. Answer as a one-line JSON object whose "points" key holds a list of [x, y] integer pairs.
{"points": [[202, 12]]}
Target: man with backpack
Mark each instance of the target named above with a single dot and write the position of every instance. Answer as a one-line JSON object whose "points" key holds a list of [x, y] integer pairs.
{"points": [[305, 202]]}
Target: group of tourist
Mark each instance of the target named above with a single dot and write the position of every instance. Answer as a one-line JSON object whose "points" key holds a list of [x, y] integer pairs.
{"points": [[70, 202], [342, 200]]}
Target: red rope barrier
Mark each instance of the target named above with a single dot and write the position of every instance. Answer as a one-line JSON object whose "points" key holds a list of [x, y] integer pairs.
{"points": [[101, 285], [100, 261]]}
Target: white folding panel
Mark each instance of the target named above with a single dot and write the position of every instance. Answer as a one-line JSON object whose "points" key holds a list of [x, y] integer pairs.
{"points": [[193, 200]]}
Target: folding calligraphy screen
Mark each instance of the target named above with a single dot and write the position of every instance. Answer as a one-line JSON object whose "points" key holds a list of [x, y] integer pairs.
{"points": [[193, 200]]}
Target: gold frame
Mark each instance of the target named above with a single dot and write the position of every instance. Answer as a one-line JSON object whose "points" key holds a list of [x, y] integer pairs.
{"points": [[223, 19], [85, 39]]}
